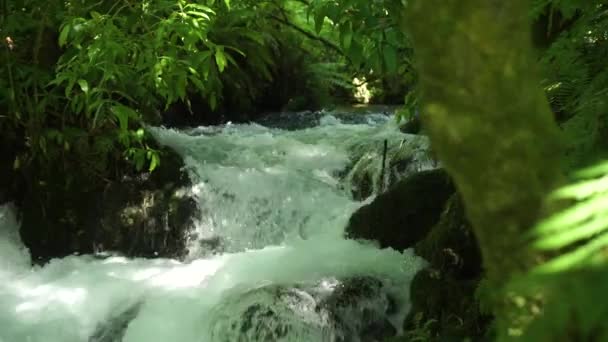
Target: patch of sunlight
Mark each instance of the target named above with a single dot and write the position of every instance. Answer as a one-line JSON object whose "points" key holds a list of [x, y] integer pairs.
{"points": [[362, 94]]}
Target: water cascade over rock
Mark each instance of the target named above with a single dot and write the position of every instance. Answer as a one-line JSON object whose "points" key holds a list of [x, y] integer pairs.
{"points": [[267, 260]]}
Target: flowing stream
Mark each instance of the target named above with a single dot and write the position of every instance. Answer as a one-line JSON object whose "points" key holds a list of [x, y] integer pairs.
{"points": [[267, 261]]}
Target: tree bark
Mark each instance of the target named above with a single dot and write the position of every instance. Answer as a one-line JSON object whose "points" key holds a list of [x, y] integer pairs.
{"points": [[488, 119]]}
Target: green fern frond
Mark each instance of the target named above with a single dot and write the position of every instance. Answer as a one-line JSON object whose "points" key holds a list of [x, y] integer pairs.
{"points": [[582, 229]]}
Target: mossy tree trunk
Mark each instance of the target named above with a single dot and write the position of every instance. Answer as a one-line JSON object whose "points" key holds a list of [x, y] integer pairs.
{"points": [[488, 119]]}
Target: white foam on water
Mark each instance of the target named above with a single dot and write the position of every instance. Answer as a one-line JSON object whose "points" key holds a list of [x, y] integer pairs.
{"points": [[272, 198]]}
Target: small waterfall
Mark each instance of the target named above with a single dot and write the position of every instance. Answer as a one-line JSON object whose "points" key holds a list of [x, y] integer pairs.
{"points": [[267, 261]]}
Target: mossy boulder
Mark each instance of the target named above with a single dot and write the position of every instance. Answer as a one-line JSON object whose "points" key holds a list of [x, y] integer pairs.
{"points": [[451, 246], [352, 309], [411, 126], [404, 214], [147, 215], [141, 214], [443, 295], [404, 156], [445, 307]]}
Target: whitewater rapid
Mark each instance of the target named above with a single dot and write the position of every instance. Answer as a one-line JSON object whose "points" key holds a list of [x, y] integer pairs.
{"points": [[277, 203]]}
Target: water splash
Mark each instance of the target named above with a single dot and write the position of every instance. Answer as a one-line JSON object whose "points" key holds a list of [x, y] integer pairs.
{"points": [[275, 203]]}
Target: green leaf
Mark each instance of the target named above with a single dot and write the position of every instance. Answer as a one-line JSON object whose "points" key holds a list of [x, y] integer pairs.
{"points": [[227, 2], [95, 15], [154, 161], [63, 36], [319, 19], [572, 216], [390, 58], [123, 113], [84, 85], [198, 14], [356, 53], [346, 33], [593, 171], [220, 59], [576, 257]]}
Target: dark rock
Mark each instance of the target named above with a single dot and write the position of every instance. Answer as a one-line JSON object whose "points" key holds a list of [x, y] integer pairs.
{"points": [[359, 308], [270, 313], [147, 215], [356, 309], [443, 296], [9, 181], [447, 307], [295, 120], [291, 120], [113, 330], [412, 126], [404, 157], [451, 245], [405, 213], [142, 214]]}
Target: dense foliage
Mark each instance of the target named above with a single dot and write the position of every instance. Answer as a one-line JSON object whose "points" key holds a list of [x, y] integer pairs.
{"points": [[81, 80]]}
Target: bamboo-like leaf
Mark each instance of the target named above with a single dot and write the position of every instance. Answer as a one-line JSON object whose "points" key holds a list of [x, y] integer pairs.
{"points": [[582, 189], [84, 85], [63, 36], [572, 216], [573, 233], [220, 59], [576, 257]]}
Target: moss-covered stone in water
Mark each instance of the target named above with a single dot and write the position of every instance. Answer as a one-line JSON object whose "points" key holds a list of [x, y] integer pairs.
{"points": [[451, 246], [403, 158], [443, 296], [144, 215], [403, 215]]}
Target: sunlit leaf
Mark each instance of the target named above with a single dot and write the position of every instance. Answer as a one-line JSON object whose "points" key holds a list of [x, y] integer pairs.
{"points": [[220, 59], [576, 257], [84, 85], [573, 234], [582, 189], [63, 36], [154, 162]]}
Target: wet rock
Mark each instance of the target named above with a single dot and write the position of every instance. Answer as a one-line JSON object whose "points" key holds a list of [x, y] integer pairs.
{"points": [[446, 306], [271, 313], [146, 215], [113, 329], [359, 308], [9, 180], [291, 120], [352, 310], [295, 120], [405, 213], [451, 246], [443, 296], [142, 214], [403, 158], [411, 126]]}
